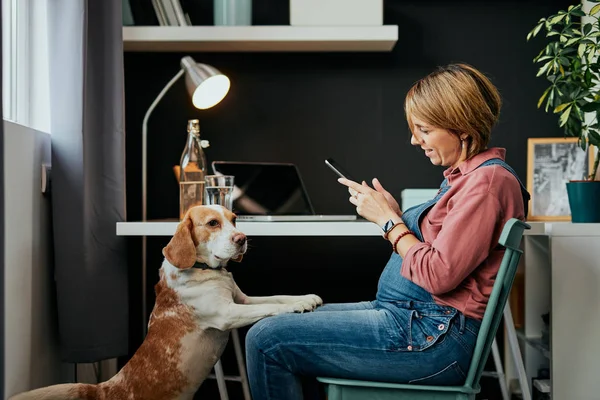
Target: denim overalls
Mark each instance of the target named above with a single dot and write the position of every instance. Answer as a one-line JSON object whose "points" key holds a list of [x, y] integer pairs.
{"points": [[417, 308], [403, 336]]}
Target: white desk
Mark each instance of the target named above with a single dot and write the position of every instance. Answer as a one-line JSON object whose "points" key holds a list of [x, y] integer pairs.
{"points": [[562, 273], [341, 228]]}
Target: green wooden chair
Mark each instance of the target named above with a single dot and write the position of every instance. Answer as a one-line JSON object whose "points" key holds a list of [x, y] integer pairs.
{"points": [[346, 389]]}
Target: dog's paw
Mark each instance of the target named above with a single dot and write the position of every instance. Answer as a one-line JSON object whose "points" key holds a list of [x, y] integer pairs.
{"points": [[307, 303], [314, 300]]}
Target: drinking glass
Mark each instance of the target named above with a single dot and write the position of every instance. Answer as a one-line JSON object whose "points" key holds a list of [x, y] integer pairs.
{"points": [[218, 189]]}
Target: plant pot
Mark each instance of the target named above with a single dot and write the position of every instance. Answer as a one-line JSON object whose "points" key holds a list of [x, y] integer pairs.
{"points": [[584, 200]]}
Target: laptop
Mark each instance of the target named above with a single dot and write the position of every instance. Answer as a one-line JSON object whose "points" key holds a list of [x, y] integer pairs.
{"points": [[270, 192]]}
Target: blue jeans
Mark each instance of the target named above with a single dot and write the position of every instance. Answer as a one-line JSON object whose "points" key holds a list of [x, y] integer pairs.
{"points": [[402, 341]]}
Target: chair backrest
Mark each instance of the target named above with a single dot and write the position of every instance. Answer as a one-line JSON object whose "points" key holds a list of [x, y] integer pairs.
{"points": [[511, 240]]}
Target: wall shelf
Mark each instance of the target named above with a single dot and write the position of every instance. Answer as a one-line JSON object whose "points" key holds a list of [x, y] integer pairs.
{"points": [[260, 38]]}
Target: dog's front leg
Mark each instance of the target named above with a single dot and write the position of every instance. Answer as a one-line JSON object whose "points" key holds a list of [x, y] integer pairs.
{"points": [[241, 298], [238, 315]]}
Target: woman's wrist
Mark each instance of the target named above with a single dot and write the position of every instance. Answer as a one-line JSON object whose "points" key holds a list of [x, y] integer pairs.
{"points": [[386, 234], [395, 218]]}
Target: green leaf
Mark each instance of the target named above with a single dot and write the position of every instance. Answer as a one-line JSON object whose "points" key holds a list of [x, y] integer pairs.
{"points": [[564, 61], [541, 100], [561, 107], [545, 68], [595, 9], [558, 18], [588, 77], [565, 116], [578, 13], [550, 98], [535, 30], [587, 28], [581, 49], [572, 41], [552, 33], [594, 138], [544, 58]]}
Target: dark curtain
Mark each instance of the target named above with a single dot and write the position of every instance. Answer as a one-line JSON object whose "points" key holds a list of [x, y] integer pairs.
{"points": [[88, 177]]}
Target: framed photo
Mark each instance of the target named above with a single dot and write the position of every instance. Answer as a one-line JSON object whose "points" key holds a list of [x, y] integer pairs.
{"points": [[551, 163]]}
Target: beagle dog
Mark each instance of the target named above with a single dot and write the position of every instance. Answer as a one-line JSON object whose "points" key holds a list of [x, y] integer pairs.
{"points": [[197, 303]]}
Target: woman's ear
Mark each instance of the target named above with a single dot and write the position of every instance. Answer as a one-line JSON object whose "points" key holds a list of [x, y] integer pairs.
{"points": [[181, 251]]}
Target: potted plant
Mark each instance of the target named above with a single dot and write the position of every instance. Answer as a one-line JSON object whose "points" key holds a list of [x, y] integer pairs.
{"points": [[570, 63]]}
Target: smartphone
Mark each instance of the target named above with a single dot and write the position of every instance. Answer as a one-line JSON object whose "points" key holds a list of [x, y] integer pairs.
{"points": [[341, 172]]}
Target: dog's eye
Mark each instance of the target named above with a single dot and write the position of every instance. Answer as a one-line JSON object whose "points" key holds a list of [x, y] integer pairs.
{"points": [[213, 222]]}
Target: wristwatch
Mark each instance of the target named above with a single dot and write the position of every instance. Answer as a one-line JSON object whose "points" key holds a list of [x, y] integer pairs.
{"points": [[388, 226]]}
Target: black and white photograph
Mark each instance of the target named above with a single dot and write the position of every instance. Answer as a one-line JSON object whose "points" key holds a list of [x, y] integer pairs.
{"points": [[551, 163]]}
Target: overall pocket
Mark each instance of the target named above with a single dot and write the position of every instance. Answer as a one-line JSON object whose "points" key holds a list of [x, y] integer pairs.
{"points": [[428, 325]]}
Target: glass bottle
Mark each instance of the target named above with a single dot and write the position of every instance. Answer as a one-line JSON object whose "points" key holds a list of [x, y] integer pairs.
{"points": [[192, 170]]}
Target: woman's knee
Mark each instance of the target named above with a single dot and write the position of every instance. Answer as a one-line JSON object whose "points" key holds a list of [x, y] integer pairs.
{"points": [[265, 333]]}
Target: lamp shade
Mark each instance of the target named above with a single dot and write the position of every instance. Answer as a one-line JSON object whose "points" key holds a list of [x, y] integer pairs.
{"points": [[206, 84]]}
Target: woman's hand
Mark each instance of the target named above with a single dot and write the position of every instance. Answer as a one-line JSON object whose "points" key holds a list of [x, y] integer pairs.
{"points": [[370, 203], [390, 199]]}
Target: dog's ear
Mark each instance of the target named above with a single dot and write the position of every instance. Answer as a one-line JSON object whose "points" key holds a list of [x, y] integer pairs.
{"points": [[238, 258], [181, 251]]}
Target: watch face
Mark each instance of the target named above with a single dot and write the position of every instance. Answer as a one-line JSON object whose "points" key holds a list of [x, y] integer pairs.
{"points": [[388, 225]]}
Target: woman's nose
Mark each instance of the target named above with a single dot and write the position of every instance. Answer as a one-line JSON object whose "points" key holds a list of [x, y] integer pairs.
{"points": [[414, 140]]}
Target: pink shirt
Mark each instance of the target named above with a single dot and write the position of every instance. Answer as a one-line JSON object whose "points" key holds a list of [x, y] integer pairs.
{"points": [[458, 260]]}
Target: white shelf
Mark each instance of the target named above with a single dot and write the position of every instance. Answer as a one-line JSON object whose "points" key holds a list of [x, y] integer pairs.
{"points": [[259, 38]]}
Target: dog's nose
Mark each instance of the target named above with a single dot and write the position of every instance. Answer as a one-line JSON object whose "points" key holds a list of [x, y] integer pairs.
{"points": [[238, 238]]}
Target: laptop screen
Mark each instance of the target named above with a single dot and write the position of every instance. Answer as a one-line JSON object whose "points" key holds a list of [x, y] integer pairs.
{"points": [[266, 188]]}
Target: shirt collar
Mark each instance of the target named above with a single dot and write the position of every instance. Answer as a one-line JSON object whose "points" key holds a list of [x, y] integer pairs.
{"points": [[472, 163]]}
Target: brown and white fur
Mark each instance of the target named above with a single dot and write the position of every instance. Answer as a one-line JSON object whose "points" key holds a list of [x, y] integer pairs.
{"points": [[194, 311]]}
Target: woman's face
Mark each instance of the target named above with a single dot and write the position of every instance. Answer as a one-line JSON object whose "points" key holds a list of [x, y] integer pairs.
{"points": [[440, 145]]}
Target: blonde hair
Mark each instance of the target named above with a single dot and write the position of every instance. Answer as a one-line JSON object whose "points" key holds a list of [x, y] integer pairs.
{"points": [[458, 98]]}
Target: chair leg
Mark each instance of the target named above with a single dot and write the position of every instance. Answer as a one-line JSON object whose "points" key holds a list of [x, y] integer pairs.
{"points": [[241, 363], [221, 381], [513, 343], [500, 371]]}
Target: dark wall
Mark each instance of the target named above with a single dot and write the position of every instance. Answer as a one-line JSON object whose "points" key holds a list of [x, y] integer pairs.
{"points": [[303, 108]]}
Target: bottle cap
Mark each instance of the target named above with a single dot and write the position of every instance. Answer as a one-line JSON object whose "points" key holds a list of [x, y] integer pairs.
{"points": [[193, 125]]}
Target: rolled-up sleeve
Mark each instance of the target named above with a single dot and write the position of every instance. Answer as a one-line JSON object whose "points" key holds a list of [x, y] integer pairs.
{"points": [[463, 243]]}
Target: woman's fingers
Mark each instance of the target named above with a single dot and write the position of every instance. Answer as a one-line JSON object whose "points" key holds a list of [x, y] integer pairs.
{"points": [[351, 184], [377, 185]]}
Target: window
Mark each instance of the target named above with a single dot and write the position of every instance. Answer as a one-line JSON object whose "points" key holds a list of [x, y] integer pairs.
{"points": [[25, 69]]}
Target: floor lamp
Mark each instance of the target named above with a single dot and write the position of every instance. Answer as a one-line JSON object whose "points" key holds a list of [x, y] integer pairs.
{"points": [[207, 87]]}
